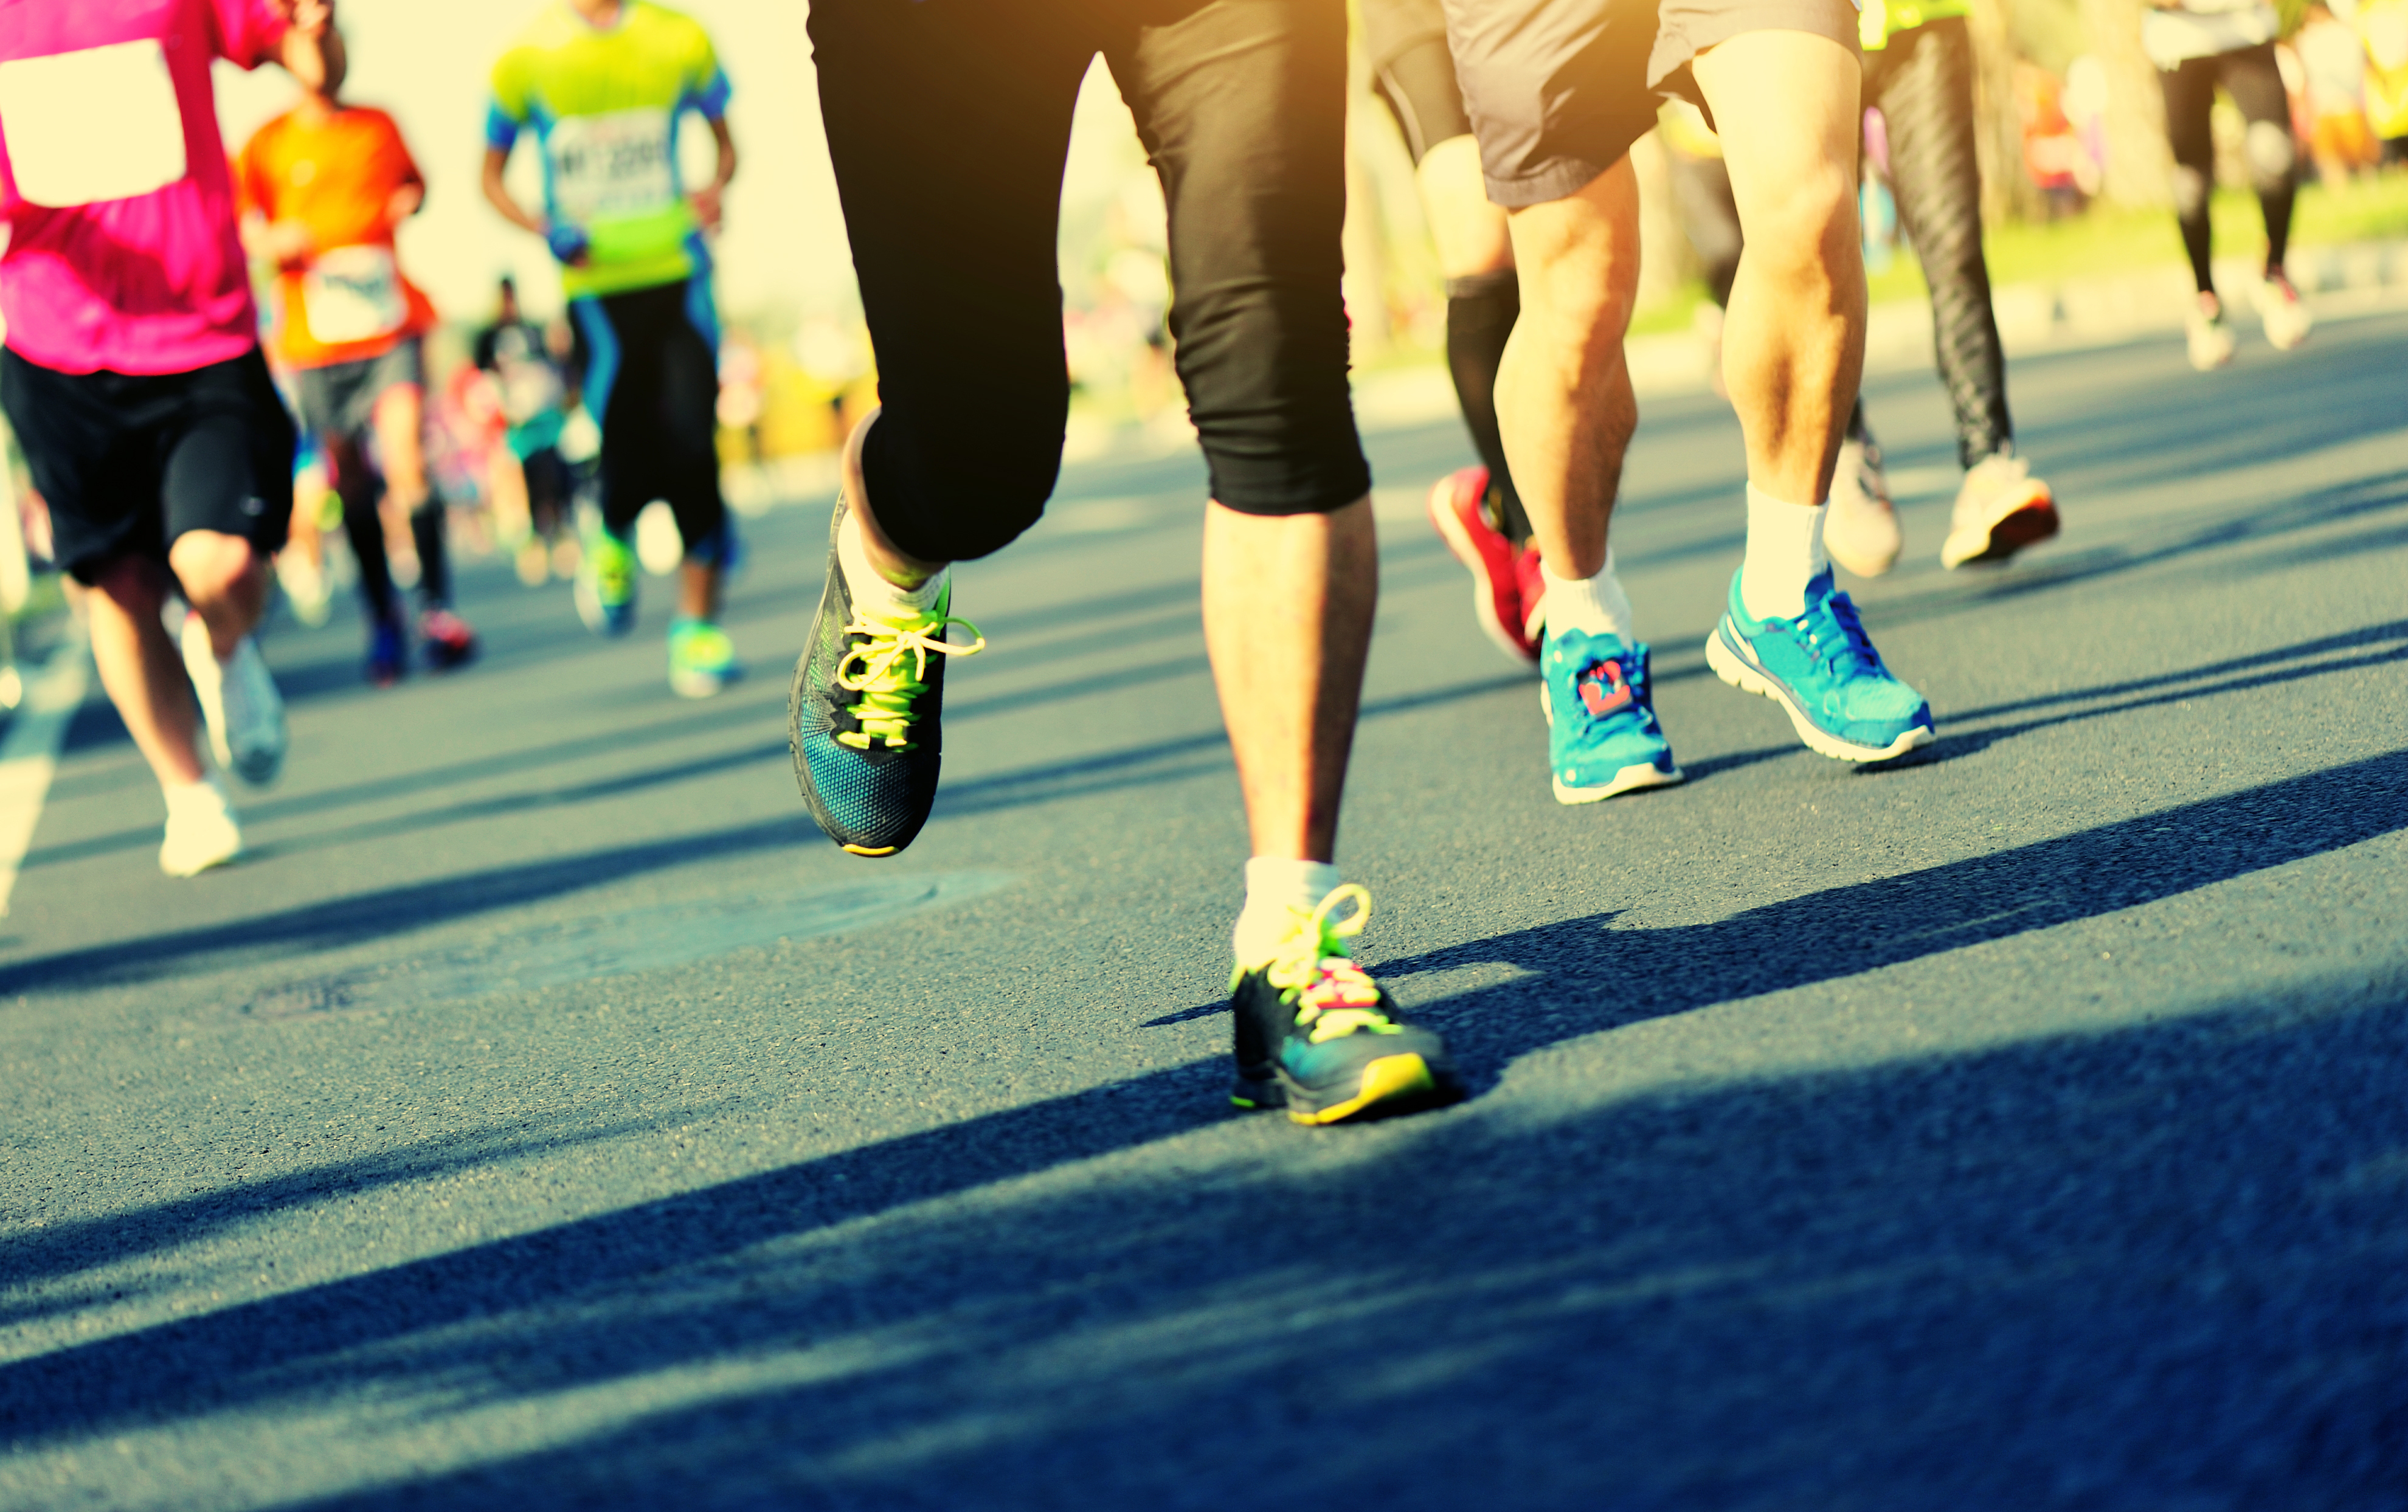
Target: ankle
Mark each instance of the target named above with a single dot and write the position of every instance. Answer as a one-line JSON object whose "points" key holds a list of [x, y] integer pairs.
{"points": [[1277, 889]]}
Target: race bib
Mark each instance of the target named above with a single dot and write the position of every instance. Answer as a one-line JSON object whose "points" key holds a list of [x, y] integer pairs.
{"points": [[353, 293], [610, 164], [100, 124]]}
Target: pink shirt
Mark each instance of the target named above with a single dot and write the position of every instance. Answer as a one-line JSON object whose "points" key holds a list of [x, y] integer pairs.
{"points": [[122, 246]]}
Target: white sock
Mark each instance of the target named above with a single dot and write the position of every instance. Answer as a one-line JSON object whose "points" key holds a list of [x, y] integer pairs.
{"points": [[204, 796], [1274, 885], [1784, 553], [872, 594], [1592, 605]]}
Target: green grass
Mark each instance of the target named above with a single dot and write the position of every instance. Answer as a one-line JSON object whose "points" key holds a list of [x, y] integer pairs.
{"points": [[2106, 240]]}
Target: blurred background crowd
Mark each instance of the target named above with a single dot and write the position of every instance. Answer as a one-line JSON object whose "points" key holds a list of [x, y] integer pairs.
{"points": [[2075, 162]]}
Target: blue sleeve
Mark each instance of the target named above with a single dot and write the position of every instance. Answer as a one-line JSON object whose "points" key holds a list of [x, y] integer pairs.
{"points": [[710, 101], [501, 128]]}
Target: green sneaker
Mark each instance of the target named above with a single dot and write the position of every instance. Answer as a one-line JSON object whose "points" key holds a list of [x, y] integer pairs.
{"points": [[702, 660], [606, 584]]}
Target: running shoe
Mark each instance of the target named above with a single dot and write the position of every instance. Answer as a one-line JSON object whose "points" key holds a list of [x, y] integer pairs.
{"points": [[200, 830], [1860, 530], [2000, 509], [606, 584], [239, 703], [2286, 317], [446, 640], [1458, 507], [1534, 593], [702, 660], [2209, 335], [388, 653], [1602, 737], [308, 588], [864, 715], [1821, 667], [1315, 1035]]}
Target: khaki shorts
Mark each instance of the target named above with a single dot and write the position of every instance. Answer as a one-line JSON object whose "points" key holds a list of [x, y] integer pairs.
{"points": [[1557, 90]]}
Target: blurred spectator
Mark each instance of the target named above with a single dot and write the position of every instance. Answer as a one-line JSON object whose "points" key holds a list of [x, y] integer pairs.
{"points": [[2054, 154], [2332, 65], [524, 475], [2382, 25], [743, 385]]}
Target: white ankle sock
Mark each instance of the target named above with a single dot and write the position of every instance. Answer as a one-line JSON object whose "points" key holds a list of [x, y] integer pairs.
{"points": [[203, 796], [1592, 605], [1274, 885], [872, 594], [1784, 553]]}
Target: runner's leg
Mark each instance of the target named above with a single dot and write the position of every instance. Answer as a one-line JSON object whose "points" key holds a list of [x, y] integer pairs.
{"points": [[143, 670], [2190, 99]]}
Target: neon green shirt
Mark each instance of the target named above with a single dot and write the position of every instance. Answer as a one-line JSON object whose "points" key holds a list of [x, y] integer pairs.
{"points": [[1881, 20], [605, 105]]}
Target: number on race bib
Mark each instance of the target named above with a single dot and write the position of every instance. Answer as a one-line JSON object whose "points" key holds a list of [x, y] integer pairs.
{"points": [[616, 163], [353, 293]]}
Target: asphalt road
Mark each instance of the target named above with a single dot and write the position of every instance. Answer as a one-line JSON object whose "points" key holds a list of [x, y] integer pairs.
{"points": [[544, 1116]]}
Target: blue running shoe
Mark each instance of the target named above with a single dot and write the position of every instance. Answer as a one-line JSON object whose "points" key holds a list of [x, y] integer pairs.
{"points": [[863, 716], [1602, 737], [1823, 669]]}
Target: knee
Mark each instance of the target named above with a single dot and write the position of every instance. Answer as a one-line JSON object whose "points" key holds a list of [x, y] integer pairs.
{"points": [[2190, 191], [942, 498], [1807, 226], [212, 566], [2271, 157]]}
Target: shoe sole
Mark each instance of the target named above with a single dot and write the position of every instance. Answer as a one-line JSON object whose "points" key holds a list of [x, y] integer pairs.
{"points": [[1629, 779], [699, 684], [1392, 1084], [1747, 679], [2029, 523], [1484, 601], [211, 865]]}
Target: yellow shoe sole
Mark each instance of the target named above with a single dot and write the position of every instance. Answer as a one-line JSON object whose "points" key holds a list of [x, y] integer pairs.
{"points": [[1385, 1080]]}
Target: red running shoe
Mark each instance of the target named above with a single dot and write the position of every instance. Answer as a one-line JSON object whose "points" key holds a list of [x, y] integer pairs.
{"points": [[447, 639], [1457, 508], [1534, 597]]}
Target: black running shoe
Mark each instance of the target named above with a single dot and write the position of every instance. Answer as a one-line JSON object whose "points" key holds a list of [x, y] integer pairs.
{"points": [[1316, 1035], [863, 716]]}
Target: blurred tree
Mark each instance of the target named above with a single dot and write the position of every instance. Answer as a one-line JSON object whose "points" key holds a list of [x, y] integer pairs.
{"points": [[2139, 166], [2008, 192]]}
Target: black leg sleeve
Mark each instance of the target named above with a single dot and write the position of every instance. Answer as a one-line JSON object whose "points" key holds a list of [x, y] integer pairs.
{"points": [[426, 529], [1923, 82], [357, 486], [1481, 311], [2190, 95], [2255, 81], [946, 122]]}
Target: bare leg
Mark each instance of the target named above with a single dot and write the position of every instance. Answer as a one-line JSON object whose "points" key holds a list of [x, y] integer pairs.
{"points": [[1287, 619], [143, 671], [1469, 231], [1793, 341], [698, 590], [1563, 393]]}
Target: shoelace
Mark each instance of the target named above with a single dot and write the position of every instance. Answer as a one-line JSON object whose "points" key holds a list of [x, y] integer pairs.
{"points": [[1315, 975], [1854, 646], [887, 693]]}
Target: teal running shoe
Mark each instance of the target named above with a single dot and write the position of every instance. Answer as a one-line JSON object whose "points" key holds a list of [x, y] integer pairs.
{"points": [[864, 715], [606, 584], [1602, 737], [1821, 667], [1316, 1035], [702, 660]]}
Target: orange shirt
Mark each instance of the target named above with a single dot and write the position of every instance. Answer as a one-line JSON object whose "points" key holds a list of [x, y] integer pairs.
{"points": [[348, 301]]}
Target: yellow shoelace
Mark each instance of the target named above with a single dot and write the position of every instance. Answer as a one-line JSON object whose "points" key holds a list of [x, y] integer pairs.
{"points": [[886, 690], [1312, 971]]}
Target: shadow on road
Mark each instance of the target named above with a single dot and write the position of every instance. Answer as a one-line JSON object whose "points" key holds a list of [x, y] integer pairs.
{"points": [[2153, 1267]]}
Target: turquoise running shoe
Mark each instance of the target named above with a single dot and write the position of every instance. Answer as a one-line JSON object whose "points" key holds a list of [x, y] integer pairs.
{"points": [[702, 660], [606, 584], [1602, 737], [1821, 667], [865, 715]]}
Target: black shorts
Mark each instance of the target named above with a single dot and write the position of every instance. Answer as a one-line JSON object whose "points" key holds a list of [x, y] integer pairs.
{"points": [[338, 400], [649, 361], [947, 120], [1557, 90], [1413, 71], [128, 461]]}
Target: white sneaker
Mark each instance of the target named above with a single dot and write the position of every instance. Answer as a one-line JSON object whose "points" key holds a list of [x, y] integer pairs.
{"points": [[2000, 509], [2208, 334], [1861, 531], [239, 703], [2286, 317], [200, 830]]}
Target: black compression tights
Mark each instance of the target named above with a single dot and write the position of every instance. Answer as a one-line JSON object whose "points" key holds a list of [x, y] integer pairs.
{"points": [[1481, 310], [2255, 83]]}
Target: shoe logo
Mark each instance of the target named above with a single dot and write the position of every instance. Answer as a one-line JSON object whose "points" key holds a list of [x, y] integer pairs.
{"points": [[1604, 688], [254, 507]]}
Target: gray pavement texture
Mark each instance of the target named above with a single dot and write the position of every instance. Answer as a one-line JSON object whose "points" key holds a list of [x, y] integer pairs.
{"points": [[546, 1117]]}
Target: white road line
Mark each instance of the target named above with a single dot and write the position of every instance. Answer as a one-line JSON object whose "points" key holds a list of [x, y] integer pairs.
{"points": [[29, 753]]}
